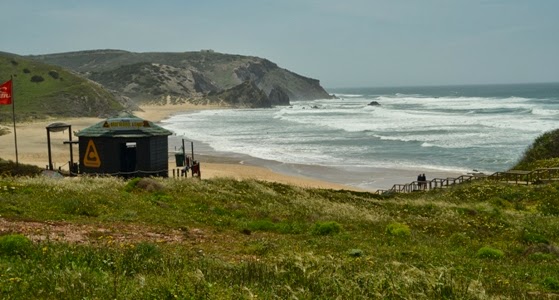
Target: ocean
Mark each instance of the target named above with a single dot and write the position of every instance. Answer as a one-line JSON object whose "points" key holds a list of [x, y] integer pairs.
{"points": [[438, 130]]}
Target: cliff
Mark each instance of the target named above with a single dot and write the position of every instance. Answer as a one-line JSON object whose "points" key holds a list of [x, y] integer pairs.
{"points": [[153, 77]]}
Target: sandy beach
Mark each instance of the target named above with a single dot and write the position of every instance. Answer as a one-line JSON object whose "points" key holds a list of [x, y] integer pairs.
{"points": [[33, 149]]}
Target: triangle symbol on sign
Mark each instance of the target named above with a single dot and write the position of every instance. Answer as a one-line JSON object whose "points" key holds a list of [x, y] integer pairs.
{"points": [[91, 158]]}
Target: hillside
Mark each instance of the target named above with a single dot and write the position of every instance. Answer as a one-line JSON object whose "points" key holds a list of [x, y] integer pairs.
{"points": [[42, 90], [229, 239], [182, 76], [543, 153]]}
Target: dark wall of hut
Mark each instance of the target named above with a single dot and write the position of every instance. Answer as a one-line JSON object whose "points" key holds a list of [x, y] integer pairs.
{"points": [[127, 157]]}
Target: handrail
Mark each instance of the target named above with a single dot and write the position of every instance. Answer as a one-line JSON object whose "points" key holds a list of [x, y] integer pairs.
{"points": [[542, 175]]}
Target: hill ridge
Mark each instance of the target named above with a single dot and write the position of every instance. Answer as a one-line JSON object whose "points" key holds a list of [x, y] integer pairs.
{"points": [[127, 73], [42, 90]]}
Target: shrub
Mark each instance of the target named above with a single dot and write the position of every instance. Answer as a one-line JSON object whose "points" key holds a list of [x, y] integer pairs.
{"points": [[80, 207], [54, 74], [543, 163], [533, 238], [15, 245], [459, 239], [259, 247], [544, 147], [549, 205], [355, 252], [131, 184], [398, 229], [541, 257], [143, 257], [279, 227], [262, 225], [37, 78], [551, 283], [10, 168], [326, 228], [26, 71], [490, 252]]}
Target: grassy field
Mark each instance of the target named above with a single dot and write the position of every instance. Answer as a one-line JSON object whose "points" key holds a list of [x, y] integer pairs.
{"points": [[42, 90], [101, 238]]}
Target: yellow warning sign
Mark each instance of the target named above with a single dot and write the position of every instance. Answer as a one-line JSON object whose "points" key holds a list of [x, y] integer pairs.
{"points": [[91, 158]]}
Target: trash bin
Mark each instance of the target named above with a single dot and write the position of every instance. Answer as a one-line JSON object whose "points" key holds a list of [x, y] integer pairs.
{"points": [[179, 158]]}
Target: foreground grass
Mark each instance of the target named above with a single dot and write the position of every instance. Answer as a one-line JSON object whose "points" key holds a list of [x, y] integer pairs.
{"points": [[227, 239]]}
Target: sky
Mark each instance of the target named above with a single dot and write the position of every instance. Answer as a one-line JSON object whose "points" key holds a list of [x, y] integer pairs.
{"points": [[342, 43]]}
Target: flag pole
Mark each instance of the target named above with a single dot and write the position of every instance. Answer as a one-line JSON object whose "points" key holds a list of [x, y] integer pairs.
{"points": [[14, 118]]}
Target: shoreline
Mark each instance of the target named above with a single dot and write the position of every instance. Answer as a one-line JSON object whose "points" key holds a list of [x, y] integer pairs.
{"points": [[369, 179], [33, 149]]}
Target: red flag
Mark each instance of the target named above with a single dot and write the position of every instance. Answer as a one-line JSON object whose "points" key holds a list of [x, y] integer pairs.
{"points": [[6, 93]]}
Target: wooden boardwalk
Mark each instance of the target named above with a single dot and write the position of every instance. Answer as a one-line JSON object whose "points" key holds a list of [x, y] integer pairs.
{"points": [[539, 176]]}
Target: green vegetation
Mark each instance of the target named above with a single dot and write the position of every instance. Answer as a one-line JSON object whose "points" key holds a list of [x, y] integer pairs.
{"points": [[227, 239], [490, 252], [185, 75], [397, 229], [107, 238], [543, 153], [14, 244], [41, 90], [10, 168]]}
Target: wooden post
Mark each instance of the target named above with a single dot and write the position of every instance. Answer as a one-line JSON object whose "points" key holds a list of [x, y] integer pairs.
{"points": [[49, 153], [71, 149], [192, 149]]}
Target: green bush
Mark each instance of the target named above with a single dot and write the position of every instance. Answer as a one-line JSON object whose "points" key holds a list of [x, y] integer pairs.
{"points": [[54, 74], [490, 252], [259, 247], [549, 205], [544, 147], [10, 168], [398, 229], [15, 245], [355, 252], [37, 78], [80, 207], [533, 238], [543, 163], [279, 227], [326, 228], [551, 283], [542, 257], [459, 239], [143, 257], [131, 184]]}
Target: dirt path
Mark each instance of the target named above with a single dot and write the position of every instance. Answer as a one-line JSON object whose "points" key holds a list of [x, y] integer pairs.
{"points": [[96, 233]]}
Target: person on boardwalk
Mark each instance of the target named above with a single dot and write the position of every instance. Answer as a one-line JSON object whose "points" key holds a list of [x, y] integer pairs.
{"points": [[423, 181], [419, 181]]}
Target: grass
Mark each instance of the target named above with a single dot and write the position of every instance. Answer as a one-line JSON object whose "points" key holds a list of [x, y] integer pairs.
{"points": [[61, 93], [543, 153], [10, 168], [228, 239]]}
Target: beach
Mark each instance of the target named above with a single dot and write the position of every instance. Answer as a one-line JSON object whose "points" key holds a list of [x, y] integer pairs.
{"points": [[33, 149]]}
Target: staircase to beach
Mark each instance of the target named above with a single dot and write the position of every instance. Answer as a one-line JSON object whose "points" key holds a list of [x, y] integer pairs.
{"points": [[519, 177]]}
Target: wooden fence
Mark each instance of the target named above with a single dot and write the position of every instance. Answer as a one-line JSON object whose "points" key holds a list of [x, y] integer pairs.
{"points": [[546, 175]]}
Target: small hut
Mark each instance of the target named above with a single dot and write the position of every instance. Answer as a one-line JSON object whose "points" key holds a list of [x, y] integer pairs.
{"points": [[126, 146]]}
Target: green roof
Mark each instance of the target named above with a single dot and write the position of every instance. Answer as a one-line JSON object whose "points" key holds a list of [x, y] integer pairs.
{"points": [[124, 125]]}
